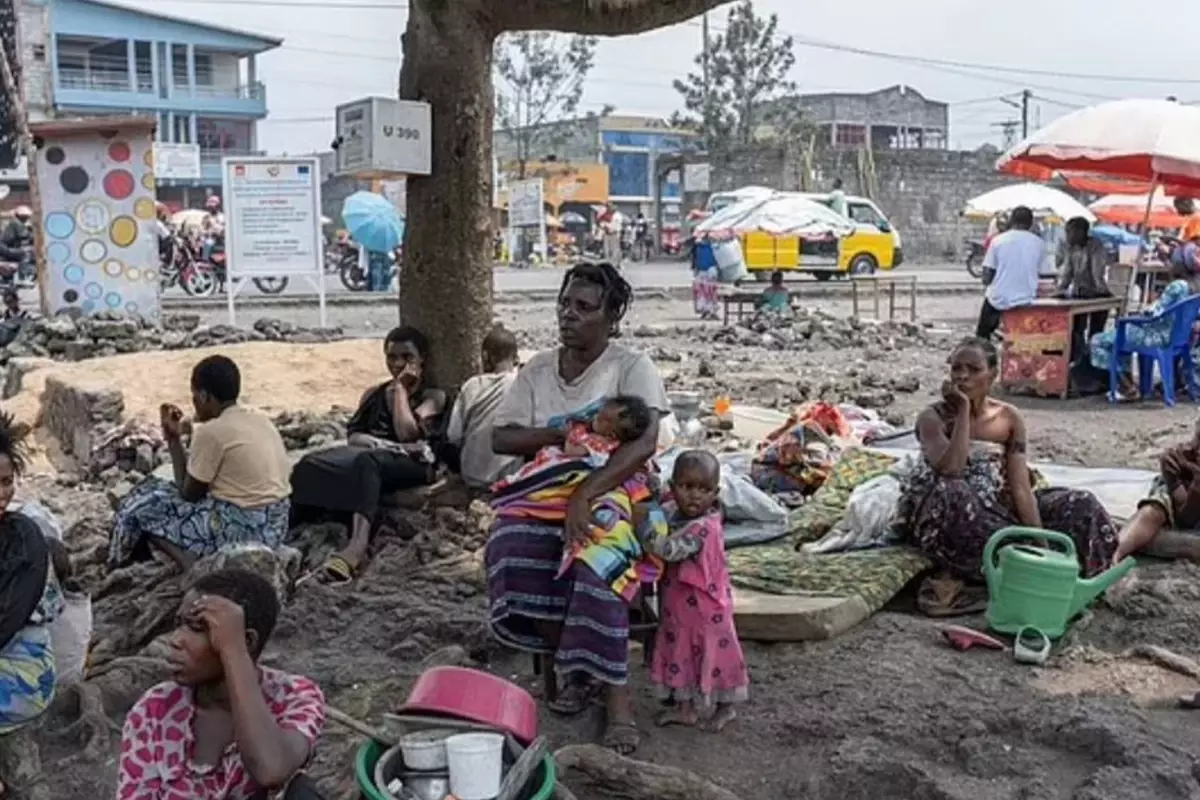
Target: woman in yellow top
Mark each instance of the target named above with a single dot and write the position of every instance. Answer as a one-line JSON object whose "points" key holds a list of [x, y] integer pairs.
{"points": [[231, 488]]}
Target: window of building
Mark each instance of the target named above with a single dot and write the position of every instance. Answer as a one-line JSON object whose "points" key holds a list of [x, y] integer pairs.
{"points": [[850, 135], [224, 135]]}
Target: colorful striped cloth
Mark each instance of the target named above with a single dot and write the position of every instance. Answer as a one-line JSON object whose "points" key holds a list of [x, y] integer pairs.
{"points": [[543, 493]]}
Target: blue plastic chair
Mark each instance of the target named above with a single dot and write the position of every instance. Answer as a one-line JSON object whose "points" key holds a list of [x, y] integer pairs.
{"points": [[1183, 316]]}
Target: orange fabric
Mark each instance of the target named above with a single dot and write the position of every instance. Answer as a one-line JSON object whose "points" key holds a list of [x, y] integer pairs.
{"points": [[1133, 216], [1191, 228]]}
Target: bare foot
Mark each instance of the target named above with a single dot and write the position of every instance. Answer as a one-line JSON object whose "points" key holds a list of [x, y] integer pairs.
{"points": [[684, 715], [720, 718]]}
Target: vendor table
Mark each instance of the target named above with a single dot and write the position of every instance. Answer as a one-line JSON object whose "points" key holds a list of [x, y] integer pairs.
{"points": [[891, 282], [1037, 344], [738, 301]]}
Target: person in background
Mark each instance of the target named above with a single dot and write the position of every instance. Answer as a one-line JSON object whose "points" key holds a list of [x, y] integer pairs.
{"points": [[1186, 208], [215, 216], [837, 198], [997, 225], [1081, 275], [609, 221], [12, 307], [223, 727], [469, 431], [641, 236], [776, 297], [1015, 258], [18, 231], [1172, 502], [232, 488]]}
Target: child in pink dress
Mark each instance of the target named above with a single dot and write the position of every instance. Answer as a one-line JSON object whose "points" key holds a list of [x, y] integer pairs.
{"points": [[698, 661]]}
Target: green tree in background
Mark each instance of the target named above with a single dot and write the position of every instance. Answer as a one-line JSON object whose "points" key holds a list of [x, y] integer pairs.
{"points": [[741, 92]]}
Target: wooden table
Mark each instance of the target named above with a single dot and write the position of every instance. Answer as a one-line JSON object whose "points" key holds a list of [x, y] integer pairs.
{"points": [[739, 300], [1036, 356], [891, 282]]}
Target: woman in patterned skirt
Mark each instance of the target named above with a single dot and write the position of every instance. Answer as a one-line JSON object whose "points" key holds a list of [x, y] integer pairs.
{"points": [[974, 479]]}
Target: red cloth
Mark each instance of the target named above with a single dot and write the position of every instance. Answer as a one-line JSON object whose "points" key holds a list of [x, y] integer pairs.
{"points": [[157, 742]]}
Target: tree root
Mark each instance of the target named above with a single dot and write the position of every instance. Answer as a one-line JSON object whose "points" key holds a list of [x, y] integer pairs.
{"points": [[624, 777], [1165, 659]]}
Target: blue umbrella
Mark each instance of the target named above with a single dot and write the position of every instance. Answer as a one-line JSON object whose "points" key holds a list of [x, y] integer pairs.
{"points": [[373, 222]]}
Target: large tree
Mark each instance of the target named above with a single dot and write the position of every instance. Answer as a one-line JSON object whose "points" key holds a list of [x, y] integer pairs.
{"points": [[446, 283], [540, 78], [740, 92]]}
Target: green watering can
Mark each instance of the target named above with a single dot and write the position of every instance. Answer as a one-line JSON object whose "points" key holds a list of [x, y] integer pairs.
{"points": [[1030, 586]]}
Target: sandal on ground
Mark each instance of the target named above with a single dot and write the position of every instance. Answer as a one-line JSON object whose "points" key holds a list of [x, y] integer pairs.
{"points": [[336, 571], [571, 701], [623, 738], [1191, 702]]}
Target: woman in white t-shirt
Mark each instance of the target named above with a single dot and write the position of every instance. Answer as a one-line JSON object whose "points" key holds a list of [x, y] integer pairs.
{"points": [[578, 619]]}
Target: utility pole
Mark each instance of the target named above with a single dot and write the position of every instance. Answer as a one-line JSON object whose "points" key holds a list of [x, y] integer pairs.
{"points": [[1025, 97], [704, 67]]}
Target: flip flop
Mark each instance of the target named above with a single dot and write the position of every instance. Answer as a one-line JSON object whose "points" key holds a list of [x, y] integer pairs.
{"points": [[962, 638], [336, 571], [1190, 702], [572, 700]]}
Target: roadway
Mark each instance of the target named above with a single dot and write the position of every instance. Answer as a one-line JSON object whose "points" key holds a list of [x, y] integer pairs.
{"points": [[647, 275]]}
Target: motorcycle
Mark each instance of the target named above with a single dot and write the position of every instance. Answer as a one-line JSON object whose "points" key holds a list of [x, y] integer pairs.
{"points": [[356, 279], [203, 277], [975, 252]]}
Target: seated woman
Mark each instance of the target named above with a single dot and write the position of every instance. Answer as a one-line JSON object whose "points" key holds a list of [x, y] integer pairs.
{"points": [[224, 728], [386, 450], [232, 488], [32, 600], [579, 618], [1173, 500], [1185, 281], [776, 297], [974, 479]]}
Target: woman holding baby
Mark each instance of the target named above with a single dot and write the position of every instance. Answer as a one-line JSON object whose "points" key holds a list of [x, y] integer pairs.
{"points": [[573, 614]]}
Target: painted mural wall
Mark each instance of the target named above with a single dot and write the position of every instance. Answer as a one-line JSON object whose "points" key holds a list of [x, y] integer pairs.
{"points": [[100, 241]]}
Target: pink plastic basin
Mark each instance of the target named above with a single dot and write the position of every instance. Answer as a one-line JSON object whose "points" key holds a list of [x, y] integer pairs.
{"points": [[476, 696]]}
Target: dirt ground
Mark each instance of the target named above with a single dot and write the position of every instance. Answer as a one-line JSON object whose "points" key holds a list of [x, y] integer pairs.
{"points": [[885, 711]]}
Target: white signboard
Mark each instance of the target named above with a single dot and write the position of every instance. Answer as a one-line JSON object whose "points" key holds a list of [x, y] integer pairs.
{"points": [[273, 222], [525, 203], [178, 161], [384, 135], [696, 177]]}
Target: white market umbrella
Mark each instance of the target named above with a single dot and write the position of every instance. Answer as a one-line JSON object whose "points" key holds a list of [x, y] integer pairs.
{"points": [[779, 214], [1146, 140], [1041, 200]]}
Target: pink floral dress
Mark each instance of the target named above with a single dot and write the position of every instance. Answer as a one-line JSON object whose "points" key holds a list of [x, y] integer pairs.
{"points": [[157, 742], [697, 656]]}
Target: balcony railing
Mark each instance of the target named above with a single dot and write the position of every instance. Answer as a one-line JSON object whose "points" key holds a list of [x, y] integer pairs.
{"points": [[215, 156], [117, 81]]}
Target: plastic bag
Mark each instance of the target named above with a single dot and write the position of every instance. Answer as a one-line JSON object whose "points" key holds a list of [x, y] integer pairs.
{"points": [[71, 635], [868, 519]]}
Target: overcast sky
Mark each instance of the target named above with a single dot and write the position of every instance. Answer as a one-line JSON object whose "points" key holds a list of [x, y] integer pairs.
{"points": [[333, 55]]}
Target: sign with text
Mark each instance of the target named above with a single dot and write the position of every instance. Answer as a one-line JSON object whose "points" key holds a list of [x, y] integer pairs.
{"points": [[525, 203], [176, 161], [383, 135], [273, 222]]}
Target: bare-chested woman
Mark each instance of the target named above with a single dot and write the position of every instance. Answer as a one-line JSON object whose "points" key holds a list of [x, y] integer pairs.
{"points": [[974, 478]]}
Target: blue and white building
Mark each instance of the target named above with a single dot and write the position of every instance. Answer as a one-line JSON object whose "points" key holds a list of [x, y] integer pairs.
{"points": [[97, 58]]}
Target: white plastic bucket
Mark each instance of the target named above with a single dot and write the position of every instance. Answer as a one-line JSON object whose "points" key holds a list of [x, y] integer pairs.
{"points": [[476, 761]]}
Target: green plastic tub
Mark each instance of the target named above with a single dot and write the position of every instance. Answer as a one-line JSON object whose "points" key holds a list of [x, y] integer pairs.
{"points": [[370, 752]]}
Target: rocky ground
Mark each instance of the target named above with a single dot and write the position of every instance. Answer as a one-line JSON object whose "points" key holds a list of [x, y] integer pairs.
{"points": [[885, 711]]}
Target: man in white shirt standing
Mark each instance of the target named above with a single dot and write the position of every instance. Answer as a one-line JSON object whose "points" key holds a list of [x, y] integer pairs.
{"points": [[1014, 260]]}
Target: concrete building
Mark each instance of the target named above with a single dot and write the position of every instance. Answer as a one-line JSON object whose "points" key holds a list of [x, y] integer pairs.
{"points": [[629, 145], [896, 118], [98, 58]]}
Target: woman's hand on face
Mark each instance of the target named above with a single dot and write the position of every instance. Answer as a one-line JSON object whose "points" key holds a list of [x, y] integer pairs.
{"points": [[224, 620], [953, 397], [173, 423], [578, 527]]}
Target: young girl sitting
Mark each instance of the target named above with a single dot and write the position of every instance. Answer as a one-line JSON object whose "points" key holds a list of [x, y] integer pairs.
{"points": [[698, 661]]}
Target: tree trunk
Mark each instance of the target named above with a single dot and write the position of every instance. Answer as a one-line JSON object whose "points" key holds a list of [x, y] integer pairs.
{"points": [[446, 282]]}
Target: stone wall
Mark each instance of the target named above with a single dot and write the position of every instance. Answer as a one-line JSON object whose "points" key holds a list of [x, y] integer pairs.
{"points": [[921, 191], [37, 81]]}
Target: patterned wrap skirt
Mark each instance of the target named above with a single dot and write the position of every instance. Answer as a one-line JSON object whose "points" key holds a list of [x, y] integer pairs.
{"points": [[156, 508], [523, 560]]}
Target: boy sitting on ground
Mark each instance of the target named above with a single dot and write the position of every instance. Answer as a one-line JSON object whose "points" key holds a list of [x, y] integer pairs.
{"points": [[776, 297]]}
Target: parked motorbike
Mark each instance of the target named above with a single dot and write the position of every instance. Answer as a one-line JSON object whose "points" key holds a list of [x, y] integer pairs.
{"points": [[975, 251], [354, 276], [204, 277]]}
